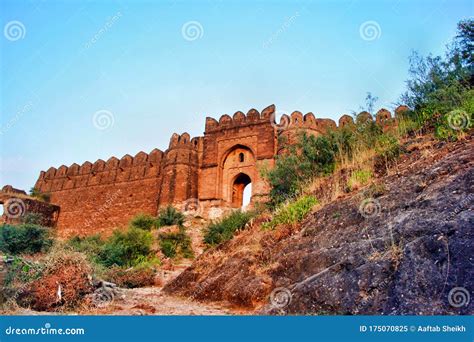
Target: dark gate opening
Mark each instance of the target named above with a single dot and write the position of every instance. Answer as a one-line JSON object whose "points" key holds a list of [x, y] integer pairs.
{"points": [[240, 182]]}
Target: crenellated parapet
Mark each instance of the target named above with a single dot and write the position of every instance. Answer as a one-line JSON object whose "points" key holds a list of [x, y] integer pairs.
{"points": [[141, 166], [182, 150], [183, 141], [240, 119], [297, 121]]}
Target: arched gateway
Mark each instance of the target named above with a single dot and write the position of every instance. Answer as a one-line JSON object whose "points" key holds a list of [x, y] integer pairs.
{"points": [[237, 171], [234, 151]]}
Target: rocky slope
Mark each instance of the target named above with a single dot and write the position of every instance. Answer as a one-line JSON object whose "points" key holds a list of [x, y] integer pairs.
{"points": [[404, 245]]}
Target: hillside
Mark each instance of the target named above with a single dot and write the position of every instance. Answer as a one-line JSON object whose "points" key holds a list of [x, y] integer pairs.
{"points": [[397, 246]]}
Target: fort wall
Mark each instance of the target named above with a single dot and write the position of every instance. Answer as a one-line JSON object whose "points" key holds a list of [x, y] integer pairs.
{"points": [[99, 197], [209, 171]]}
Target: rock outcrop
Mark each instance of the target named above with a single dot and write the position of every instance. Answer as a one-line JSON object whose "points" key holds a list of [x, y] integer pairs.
{"points": [[404, 245]]}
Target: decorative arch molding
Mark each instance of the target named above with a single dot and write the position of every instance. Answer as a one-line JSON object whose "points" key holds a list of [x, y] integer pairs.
{"points": [[234, 148], [238, 168]]}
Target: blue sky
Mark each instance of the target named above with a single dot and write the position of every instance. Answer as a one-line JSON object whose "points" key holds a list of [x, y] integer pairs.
{"points": [[63, 61]]}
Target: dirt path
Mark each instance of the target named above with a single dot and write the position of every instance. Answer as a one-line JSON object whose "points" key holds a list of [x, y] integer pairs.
{"points": [[153, 301]]}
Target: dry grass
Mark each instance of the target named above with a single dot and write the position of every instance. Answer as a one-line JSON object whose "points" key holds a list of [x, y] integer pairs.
{"points": [[63, 283]]}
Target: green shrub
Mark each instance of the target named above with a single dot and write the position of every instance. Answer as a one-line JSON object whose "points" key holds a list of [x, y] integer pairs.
{"points": [[24, 239], [409, 122], [170, 216], [387, 147], [126, 248], [32, 218], [42, 196], [224, 229], [344, 142], [175, 244], [366, 135], [143, 221], [168, 248], [450, 125], [359, 178], [292, 212], [89, 245], [21, 272], [310, 157]]}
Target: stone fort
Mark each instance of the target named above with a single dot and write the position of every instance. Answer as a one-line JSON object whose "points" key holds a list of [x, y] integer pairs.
{"points": [[196, 174]]}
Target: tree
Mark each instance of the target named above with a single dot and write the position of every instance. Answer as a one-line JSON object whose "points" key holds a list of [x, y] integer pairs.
{"points": [[441, 84]]}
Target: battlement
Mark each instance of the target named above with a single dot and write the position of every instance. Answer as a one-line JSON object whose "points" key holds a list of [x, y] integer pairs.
{"points": [[142, 165], [240, 119], [184, 141], [308, 121], [295, 120]]}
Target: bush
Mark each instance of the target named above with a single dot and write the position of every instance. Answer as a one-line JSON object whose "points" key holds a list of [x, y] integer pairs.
{"points": [[443, 84], [224, 229], [21, 271], [358, 178], [310, 157], [143, 221], [63, 283], [42, 196], [410, 122], [32, 218], [91, 246], [170, 216], [126, 248], [24, 238], [292, 212], [175, 244], [450, 125], [387, 147]]}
